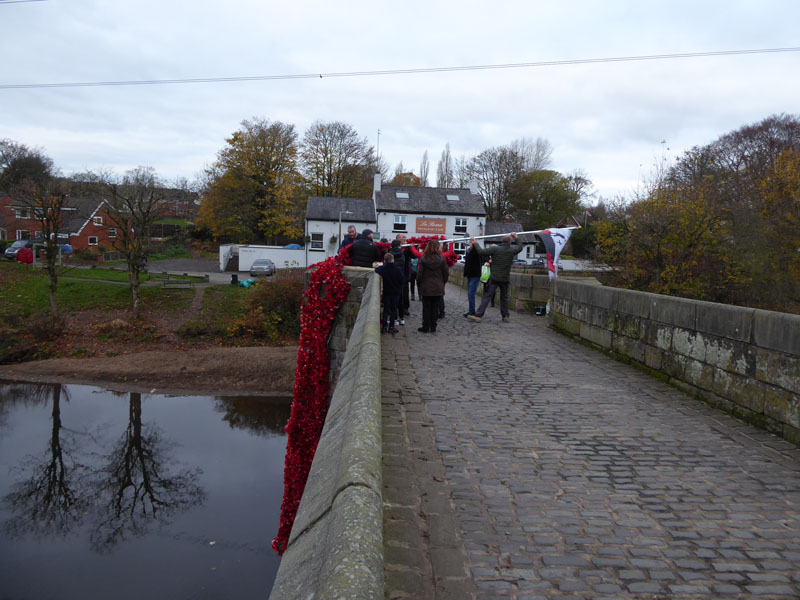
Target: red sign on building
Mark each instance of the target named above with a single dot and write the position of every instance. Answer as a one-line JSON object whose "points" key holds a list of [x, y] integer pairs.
{"points": [[431, 226]]}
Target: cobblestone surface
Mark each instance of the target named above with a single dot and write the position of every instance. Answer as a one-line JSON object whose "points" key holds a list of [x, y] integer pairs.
{"points": [[575, 476]]}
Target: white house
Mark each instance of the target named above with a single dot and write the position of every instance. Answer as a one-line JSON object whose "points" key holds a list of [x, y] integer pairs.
{"points": [[327, 220], [418, 211], [415, 211]]}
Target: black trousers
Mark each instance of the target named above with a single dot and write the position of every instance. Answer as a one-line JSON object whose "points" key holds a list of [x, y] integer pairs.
{"points": [[430, 312]]}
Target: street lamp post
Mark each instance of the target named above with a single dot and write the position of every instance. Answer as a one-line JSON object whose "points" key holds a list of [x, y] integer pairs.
{"points": [[342, 212]]}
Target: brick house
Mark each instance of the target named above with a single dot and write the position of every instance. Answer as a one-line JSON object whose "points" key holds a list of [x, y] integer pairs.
{"points": [[85, 223]]}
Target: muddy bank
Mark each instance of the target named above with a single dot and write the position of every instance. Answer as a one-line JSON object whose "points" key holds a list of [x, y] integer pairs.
{"points": [[211, 371]]}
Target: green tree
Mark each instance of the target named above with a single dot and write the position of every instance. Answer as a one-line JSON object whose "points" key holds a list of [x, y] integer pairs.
{"points": [[252, 190], [543, 199]]}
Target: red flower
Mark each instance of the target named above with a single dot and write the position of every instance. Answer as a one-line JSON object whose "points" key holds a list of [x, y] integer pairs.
{"points": [[327, 290]]}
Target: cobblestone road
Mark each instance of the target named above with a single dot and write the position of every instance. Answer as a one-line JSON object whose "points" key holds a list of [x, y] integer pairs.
{"points": [[575, 476]]}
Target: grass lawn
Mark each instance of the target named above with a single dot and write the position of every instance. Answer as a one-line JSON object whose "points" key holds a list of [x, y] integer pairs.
{"points": [[24, 291]]}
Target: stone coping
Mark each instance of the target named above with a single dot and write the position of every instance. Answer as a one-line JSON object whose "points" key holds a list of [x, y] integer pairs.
{"points": [[336, 546]]}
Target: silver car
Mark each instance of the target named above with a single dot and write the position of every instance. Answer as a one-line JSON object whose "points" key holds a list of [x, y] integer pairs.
{"points": [[262, 266]]}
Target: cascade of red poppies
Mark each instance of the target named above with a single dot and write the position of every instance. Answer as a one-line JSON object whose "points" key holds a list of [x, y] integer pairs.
{"points": [[327, 290]]}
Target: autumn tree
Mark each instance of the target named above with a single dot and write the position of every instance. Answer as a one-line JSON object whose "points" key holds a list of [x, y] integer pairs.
{"points": [[337, 162], [134, 204], [670, 243], [252, 190]]}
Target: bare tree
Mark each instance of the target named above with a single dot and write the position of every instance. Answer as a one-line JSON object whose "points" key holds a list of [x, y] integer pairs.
{"points": [[444, 170], [31, 180], [334, 160], [133, 207], [424, 169]]}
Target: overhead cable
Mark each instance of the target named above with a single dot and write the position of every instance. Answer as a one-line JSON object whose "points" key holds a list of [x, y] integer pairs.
{"points": [[551, 63]]}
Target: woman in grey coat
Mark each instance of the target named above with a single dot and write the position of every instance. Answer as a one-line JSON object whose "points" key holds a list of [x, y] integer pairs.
{"points": [[432, 274]]}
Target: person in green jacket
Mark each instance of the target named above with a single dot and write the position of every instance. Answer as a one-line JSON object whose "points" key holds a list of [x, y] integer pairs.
{"points": [[502, 256]]}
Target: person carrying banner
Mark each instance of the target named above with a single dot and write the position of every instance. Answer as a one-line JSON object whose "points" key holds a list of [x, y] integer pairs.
{"points": [[472, 271], [502, 258]]}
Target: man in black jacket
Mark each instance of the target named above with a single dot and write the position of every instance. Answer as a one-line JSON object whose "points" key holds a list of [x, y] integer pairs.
{"points": [[364, 252], [472, 271]]}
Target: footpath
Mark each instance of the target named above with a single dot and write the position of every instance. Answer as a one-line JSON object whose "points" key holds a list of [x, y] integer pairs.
{"points": [[520, 464]]}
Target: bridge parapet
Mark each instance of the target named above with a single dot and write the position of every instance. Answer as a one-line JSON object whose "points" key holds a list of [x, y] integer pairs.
{"points": [[745, 361], [336, 546]]}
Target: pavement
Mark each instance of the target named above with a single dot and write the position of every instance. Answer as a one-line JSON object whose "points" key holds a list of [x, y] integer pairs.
{"points": [[521, 464]]}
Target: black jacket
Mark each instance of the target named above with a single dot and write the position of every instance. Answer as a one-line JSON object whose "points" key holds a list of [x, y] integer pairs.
{"points": [[472, 263], [363, 252]]}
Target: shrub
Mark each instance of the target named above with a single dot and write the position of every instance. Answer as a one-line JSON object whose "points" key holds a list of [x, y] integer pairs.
{"points": [[43, 326], [192, 329]]}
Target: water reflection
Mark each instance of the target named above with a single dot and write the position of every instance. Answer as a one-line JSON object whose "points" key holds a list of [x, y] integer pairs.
{"points": [[49, 497], [91, 471]]}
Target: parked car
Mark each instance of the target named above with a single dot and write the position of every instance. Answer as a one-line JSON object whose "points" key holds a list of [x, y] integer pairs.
{"points": [[520, 262], [262, 266], [11, 251], [537, 262]]}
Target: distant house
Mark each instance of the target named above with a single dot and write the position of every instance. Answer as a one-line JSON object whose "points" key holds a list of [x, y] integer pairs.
{"points": [[426, 211], [327, 220], [85, 224]]}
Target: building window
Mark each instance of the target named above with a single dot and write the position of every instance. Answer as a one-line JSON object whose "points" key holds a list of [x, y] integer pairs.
{"points": [[461, 225], [97, 220], [460, 247], [3, 234], [399, 223], [22, 213], [401, 195], [317, 241], [112, 233], [452, 198], [38, 212], [93, 240], [22, 234]]}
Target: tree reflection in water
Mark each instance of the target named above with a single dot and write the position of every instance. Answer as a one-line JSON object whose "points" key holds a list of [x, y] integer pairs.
{"points": [[137, 484], [140, 484], [53, 498], [258, 415]]}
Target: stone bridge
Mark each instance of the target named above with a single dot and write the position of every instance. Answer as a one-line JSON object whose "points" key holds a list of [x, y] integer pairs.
{"points": [[509, 460]]}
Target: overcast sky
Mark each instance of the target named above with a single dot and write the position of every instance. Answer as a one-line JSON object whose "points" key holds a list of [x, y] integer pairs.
{"points": [[612, 120]]}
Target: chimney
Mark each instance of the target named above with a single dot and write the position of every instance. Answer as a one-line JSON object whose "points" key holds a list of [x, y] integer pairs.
{"points": [[473, 186], [377, 183]]}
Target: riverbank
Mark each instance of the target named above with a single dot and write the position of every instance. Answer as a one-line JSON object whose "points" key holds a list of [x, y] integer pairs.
{"points": [[211, 371]]}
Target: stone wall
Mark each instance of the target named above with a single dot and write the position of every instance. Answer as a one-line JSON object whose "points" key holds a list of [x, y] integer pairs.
{"points": [[743, 360], [527, 290], [336, 546]]}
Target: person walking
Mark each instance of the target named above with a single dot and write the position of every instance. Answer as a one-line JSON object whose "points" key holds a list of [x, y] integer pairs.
{"points": [[502, 257], [472, 271], [432, 274]]}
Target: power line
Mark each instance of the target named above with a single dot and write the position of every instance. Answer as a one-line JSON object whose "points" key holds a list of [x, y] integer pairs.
{"points": [[553, 63]]}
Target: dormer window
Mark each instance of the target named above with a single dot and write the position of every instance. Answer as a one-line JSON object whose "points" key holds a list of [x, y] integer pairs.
{"points": [[452, 198], [402, 195], [97, 220]]}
